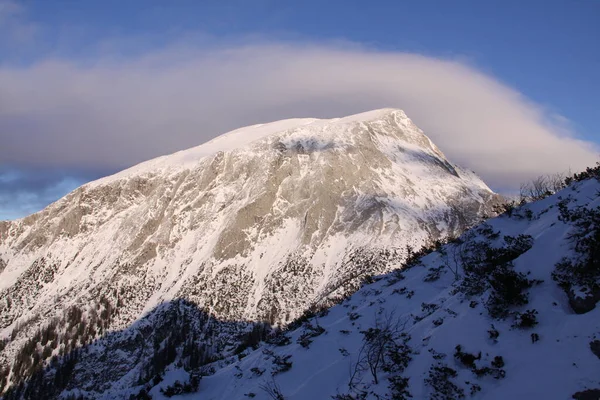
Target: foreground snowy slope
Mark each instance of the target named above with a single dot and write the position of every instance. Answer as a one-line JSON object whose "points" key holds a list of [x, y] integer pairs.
{"points": [[491, 292]]}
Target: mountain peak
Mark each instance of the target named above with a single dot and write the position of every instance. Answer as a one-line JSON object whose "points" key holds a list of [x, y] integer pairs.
{"points": [[261, 224], [252, 198], [241, 137], [374, 115]]}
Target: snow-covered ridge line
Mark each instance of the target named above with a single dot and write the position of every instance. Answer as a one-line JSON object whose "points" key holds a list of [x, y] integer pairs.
{"points": [[238, 138]]}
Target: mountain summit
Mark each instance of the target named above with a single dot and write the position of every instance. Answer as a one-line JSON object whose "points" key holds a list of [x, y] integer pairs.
{"points": [[259, 223]]}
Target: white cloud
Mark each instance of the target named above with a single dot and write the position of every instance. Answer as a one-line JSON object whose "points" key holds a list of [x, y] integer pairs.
{"points": [[115, 112]]}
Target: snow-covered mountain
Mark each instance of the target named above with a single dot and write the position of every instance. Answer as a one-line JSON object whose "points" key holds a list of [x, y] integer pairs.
{"points": [[261, 223], [506, 311]]}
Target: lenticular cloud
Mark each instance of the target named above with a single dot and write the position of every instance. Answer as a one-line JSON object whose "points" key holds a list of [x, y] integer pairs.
{"points": [[110, 113]]}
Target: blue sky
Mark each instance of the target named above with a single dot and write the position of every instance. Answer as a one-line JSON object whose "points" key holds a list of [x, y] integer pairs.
{"points": [[541, 55]]}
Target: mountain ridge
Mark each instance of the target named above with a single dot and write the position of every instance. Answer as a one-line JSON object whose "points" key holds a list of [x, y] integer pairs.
{"points": [[307, 183], [186, 159], [263, 231]]}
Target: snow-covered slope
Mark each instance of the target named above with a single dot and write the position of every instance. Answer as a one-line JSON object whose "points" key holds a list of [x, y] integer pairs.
{"points": [[491, 292], [258, 224]]}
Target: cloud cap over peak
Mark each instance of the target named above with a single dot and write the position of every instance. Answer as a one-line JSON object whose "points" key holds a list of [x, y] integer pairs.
{"points": [[116, 112]]}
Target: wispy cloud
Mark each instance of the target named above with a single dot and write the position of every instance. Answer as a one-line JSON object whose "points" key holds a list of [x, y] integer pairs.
{"points": [[114, 112]]}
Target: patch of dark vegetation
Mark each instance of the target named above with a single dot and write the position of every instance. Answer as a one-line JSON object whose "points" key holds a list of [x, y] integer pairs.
{"points": [[595, 347], [177, 388], [273, 390], [352, 316], [3, 343], [526, 320], [259, 333], [404, 291], [466, 359], [346, 396], [434, 274], [427, 310], [469, 361], [589, 173], [30, 283], [487, 267], [61, 336], [310, 332], [394, 277], [280, 363], [589, 394], [440, 379], [141, 395], [487, 231], [175, 340], [385, 348], [316, 310], [579, 276], [278, 337], [177, 333], [494, 333], [494, 372], [509, 289], [437, 355], [40, 386]]}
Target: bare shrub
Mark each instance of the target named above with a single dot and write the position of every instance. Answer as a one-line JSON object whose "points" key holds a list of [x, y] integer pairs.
{"points": [[542, 187]]}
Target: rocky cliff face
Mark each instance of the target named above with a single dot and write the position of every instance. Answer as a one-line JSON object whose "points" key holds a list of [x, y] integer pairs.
{"points": [[260, 223]]}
